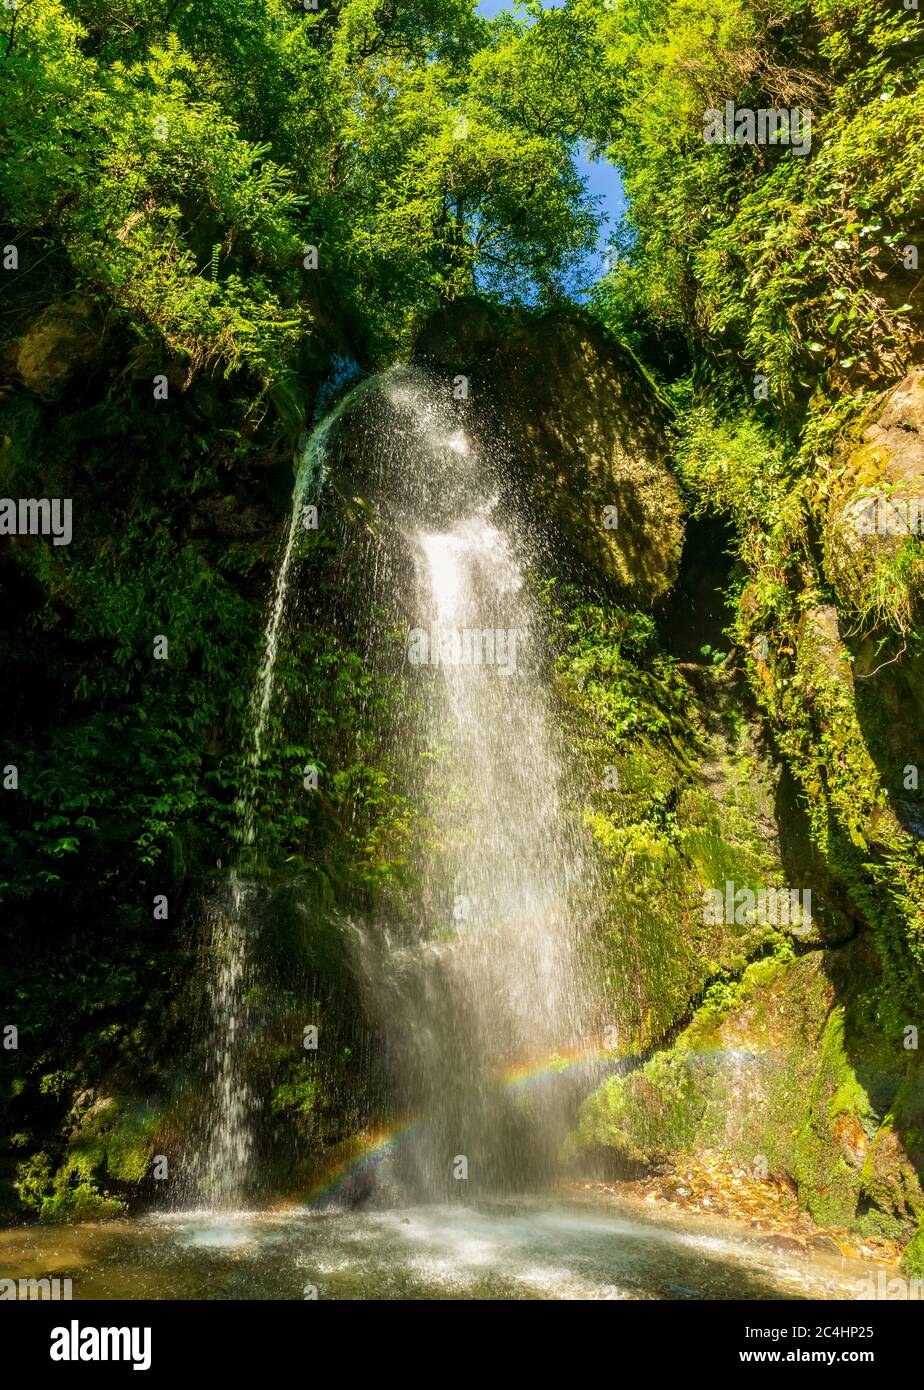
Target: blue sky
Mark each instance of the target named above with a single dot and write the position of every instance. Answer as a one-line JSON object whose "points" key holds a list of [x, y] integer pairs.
{"points": [[602, 179]]}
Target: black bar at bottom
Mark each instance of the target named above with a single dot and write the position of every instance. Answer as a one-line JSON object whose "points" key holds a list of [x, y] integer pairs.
{"points": [[282, 1338]]}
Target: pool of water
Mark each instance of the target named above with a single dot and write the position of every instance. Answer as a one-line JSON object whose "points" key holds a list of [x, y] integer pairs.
{"points": [[511, 1250]]}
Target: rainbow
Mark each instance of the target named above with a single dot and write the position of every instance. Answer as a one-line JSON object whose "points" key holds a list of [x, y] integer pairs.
{"points": [[522, 1074], [367, 1151]]}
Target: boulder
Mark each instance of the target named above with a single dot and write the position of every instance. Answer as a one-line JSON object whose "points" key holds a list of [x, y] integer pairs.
{"points": [[576, 434], [587, 434], [779, 1070], [460, 334], [64, 341]]}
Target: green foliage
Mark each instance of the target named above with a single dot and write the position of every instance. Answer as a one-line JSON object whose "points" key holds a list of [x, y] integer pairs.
{"points": [[913, 1256], [740, 260], [791, 266], [182, 160], [662, 836]]}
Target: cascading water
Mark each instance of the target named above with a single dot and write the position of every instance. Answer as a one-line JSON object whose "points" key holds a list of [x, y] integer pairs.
{"points": [[221, 1163], [482, 974], [309, 473]]}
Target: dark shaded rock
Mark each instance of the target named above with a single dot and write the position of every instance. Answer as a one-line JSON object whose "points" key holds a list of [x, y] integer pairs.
{"points": [[63, 342], [222, 516], [458, 336]]}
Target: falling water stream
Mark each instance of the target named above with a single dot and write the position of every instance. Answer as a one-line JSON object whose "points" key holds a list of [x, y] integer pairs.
{"points": [[485, 974], [483, 971], [220, 1162]]}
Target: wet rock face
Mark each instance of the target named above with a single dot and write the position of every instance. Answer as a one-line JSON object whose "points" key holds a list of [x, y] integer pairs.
{"points": [[879, 501], [584, 432]]}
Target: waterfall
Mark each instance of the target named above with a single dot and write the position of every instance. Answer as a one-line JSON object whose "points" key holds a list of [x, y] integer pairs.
{"points": [[309, 474], [476, 972], [480, 972]]}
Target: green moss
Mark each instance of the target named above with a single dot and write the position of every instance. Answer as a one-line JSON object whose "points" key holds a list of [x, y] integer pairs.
{"points": [[827, 1184], [677, 807], [765, 1067], [68, 1195], [78, 1201], [913, 1255], [34, 1181], [851, 1165], [637, 1115], [827, 724], [111, 1146], [114, 1142], [667, 1105]]}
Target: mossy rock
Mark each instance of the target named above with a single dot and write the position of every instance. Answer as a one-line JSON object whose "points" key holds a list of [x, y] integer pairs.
{"points": [[913, 1255], [773, 1066], [571, 430], [69, 1194], [64, 342], [873, 553], [78, 1201], [109, 1151], [641, 1116], [583, 431], [114, 1141], [698, 803]]}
